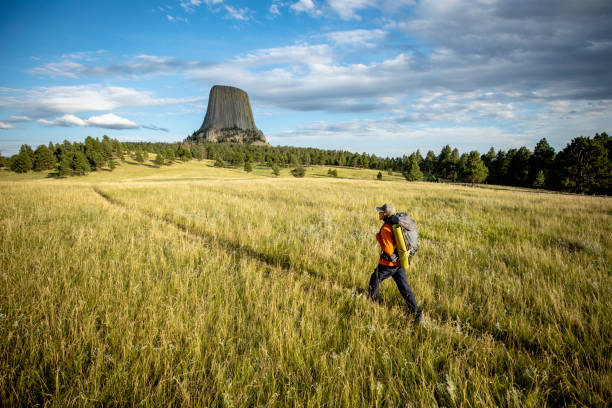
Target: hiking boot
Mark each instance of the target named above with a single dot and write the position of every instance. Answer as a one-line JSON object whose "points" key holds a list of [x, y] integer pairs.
{"points": [[418, 317]]}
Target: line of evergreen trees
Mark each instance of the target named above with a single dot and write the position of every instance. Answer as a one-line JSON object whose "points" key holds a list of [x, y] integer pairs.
{"points": [[67, 158], [77, 159], [583, 166]]}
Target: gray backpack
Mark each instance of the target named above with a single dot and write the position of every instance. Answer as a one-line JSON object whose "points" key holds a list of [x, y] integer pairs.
{"points": [[409, 230]]}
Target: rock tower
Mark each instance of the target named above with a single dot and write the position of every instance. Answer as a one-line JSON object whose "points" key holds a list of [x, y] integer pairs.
{"points": [[229, 118]]}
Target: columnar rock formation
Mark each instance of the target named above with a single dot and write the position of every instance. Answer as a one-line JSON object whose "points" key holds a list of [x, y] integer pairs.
{"points": [[229, 118]]}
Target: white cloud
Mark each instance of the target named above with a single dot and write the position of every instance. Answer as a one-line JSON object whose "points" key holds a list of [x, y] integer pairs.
{"points": [[80, 98], [274, 10], [56, 69], [16, 119], [174, 19], [308, 55], [190, 5], [360, 37], [106, 121], [138, 65], [111, 121], [241, 14], [66, 120], [305, 6], [7, 123], [346, 9]]}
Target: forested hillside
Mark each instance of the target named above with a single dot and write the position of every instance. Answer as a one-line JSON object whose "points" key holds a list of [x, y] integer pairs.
{"points": [[583, 166]]}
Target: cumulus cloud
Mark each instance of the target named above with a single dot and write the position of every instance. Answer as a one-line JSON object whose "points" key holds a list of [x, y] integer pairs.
{"points": [[563, 49], [347, 9], [8, 123], [489, 60], [360, 37], [106, 121], [305, 6], [45, 101], [111, 121]]}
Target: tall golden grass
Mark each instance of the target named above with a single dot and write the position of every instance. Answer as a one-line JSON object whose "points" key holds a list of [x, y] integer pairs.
{"points": [[209, 287]]}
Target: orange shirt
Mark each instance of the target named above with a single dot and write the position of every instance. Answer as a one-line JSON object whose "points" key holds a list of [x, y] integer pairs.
{"points": [[386, 240]]}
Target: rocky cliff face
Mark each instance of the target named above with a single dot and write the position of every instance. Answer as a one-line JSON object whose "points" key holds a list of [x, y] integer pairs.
{"points": [[229, 118]]}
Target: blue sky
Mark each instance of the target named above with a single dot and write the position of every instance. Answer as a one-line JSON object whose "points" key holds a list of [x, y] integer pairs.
{"points": [[385, 77]]}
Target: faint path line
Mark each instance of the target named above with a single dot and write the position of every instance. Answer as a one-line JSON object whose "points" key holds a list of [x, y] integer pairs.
{"points": [[448, 326], [261, 258]]}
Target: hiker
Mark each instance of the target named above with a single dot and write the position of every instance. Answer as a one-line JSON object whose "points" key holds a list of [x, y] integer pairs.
{"points": [[388, 264]]}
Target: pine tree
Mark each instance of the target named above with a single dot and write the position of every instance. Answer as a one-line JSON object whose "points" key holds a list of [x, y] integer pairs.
{"points": [[442, 162], [96, 159], [379, 176], [248, 167], [139, 158], [429, 163], [107, 148], [298, 172], [65, 166], [80, 164], [21, 163], [584, 166], [518, 167], [28, 150], [453, 164], [169, 154], [542, 160], [489, 161], [159, 160], [475, 170], [462, 167], [275, 170], [413, 172], [539, 180], [45, 160]]}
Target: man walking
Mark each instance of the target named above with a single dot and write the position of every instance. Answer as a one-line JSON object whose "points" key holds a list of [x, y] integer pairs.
{"points": [[388, 264]]}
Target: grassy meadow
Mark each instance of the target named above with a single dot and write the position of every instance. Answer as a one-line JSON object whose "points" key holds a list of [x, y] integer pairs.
{"points": [[190, 285]]}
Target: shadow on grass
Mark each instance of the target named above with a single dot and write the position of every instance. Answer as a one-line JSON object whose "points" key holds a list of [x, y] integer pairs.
{"points": [[54, 175]]}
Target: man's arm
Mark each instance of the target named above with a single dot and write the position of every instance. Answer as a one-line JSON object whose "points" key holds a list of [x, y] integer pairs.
{"points": [[386, 240], [387, 244]]}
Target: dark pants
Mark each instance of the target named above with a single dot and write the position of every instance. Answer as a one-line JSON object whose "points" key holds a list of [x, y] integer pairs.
{"points": [[398, 274]]}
